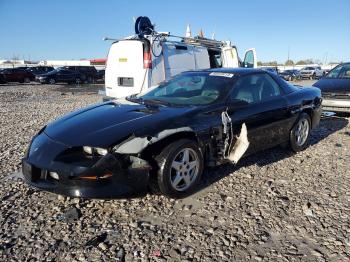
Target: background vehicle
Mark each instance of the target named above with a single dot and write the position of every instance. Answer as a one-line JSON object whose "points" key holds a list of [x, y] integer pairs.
{"points": [[39, 70], [60, 75], [2, 79], [335, 88], [290, 75], [273, 69], [165, 136], [17, 75], [88, 73], [136, 63], [100, 75], [311, 72]]}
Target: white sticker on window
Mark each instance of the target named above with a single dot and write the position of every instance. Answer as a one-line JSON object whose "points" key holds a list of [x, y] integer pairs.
{"points": [[221, 74]]}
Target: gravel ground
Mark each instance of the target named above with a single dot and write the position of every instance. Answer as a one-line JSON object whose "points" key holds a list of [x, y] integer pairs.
{"points": [[274, 205]]}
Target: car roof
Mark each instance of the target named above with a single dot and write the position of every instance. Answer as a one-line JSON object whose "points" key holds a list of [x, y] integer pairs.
{"points": [[239, 70]]}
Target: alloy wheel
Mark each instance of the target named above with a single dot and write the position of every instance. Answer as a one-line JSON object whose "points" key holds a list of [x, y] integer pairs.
{"points": [[302, 132], [184, 169]]}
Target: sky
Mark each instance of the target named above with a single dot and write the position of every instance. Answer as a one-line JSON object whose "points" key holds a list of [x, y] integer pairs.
{"points": [[73, 29]]}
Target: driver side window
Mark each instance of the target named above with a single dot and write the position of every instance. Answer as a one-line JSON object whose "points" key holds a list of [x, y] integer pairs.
{"points": [[255, 88]]}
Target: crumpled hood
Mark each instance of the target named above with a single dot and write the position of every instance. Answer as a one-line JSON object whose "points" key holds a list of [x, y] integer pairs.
{"points": [[106, 124], [331, 85]]}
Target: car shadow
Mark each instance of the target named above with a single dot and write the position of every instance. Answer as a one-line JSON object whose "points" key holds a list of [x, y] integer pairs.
{"points": [[90, 88], [327, 127], [10, 84]]}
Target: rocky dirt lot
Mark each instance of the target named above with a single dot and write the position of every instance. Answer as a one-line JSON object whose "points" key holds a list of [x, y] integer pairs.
{"points": [[274, 205]]}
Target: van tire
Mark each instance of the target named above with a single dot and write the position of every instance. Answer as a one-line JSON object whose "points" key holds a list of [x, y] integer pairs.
{"points": [[77, 81]]}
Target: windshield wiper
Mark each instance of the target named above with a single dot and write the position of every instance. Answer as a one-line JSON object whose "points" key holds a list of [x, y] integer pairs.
{"points": [[156, 102], [142, 101], [134, 99]]}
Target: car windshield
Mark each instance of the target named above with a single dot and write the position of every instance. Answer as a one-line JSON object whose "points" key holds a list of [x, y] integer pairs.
{"points": [[341, 71], [192, 88]]}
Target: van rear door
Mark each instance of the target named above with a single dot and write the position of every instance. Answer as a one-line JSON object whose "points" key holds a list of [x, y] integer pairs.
{"points": [[229, 57], [250, 59], [125, 73]]}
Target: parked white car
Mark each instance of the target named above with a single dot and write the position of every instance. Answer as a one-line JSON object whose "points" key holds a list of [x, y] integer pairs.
{"points": [[311, 72], [136, 63]]}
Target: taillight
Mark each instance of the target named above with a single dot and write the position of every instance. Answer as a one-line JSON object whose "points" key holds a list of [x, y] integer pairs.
{"points": [[147, 57], [147, 60]]}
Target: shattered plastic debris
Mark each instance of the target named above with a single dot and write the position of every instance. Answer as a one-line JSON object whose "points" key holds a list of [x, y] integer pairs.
{"points": [[70, 215], [227, 127]]}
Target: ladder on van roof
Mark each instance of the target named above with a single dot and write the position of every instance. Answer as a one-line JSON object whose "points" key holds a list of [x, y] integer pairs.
{"points": [[197, 40]]}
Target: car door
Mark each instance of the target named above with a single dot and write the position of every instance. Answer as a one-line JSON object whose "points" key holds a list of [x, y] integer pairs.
{"points": [[258, 101], [250, 60]]}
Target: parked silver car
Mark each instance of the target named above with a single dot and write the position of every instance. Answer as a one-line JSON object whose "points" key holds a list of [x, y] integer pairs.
{"points": [[311, 72]]}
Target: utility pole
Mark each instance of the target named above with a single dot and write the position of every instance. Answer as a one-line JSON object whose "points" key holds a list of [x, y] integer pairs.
{"points": [[288, 58]]}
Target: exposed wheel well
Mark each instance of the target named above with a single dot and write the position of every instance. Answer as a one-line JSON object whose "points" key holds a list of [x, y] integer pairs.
{"points": [[157, 147], [309, 112], [151, 151]]}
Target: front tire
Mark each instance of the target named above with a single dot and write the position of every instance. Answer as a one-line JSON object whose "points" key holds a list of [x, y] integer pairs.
{"points": [[52, 81], [180, 167], [300, 133]]}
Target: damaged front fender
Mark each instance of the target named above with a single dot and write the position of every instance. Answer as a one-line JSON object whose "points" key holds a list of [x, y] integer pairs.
{"points": [[135, 145]]}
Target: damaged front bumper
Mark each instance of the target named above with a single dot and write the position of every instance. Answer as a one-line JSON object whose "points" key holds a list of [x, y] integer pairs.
{"points": [[54, 167]]}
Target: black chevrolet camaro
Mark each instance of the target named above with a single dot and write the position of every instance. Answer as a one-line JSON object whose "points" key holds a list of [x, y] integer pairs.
{"points": [[164, 138]]}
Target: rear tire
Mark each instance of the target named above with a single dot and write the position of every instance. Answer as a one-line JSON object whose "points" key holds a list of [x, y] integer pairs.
{"points": [[300, 133], [26, 80], [52, 81], [180, 167], [78, 81]]}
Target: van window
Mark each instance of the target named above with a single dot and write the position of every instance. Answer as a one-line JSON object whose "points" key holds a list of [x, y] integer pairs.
{"points": [[181, 47], [214, 58]]}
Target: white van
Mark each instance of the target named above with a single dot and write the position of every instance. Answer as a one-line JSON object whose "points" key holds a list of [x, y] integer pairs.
{"points": [[139, 62]]}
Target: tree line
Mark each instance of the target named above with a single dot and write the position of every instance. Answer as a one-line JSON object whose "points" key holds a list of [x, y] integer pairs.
{"points": [[291, 62]]}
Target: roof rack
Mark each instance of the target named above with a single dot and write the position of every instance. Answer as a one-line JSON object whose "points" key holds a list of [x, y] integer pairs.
{"points": [[196, 40]]}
